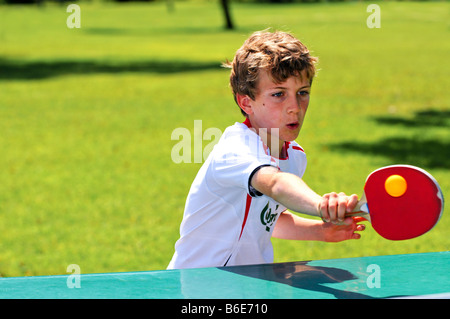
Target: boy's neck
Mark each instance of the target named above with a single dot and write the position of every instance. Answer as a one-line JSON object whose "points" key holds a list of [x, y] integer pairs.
{"points": [[279, 152]]}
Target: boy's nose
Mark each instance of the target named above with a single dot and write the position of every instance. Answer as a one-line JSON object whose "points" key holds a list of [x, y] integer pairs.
{"points": [[294, 105]]}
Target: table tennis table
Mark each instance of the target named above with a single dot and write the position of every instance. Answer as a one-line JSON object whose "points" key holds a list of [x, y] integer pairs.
{"points": [[422, 275]]}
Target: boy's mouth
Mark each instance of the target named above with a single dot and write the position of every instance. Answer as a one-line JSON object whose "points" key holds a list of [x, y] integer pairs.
{"points": [[293, 125]]}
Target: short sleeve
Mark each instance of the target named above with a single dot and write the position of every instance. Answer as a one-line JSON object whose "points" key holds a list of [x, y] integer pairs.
{"points": [[238, 158]]}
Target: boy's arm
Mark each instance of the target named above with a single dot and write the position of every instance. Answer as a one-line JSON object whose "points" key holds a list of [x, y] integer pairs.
{"points": [[292, 192], [290, 226]]}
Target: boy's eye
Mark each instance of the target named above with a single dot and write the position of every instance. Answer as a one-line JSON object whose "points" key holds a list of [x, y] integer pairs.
{"points": [[303, 93], [281, 93]]}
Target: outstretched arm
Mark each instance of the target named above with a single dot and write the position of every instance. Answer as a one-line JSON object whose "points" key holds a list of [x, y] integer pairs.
{"points": [[290, 226], [291, 191], [295, 194]]}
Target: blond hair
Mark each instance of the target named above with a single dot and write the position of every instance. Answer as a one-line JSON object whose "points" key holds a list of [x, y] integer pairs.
{"points": [[279, 53]]}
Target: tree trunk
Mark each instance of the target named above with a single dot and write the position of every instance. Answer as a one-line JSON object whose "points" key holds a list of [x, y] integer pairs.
{"points": [[226, 10]]}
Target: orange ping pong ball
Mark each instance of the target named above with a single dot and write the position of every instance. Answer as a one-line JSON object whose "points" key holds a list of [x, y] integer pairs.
{"points": [[395, 185]]}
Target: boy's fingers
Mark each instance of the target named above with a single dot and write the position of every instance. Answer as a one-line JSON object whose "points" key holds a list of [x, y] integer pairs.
{"points": [[360, 227], [333, 207], [342, 207], [352, 201], [324, 209], [359, 219], [348, 221], [356, 236]]}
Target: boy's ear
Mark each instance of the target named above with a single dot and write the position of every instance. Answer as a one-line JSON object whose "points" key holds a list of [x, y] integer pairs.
{"points": [[244, 102]]}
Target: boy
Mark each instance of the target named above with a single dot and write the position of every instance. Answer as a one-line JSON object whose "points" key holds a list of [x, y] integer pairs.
{"points": [[240, 196]]}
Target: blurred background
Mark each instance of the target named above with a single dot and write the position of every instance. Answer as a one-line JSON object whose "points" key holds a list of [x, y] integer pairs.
{"points": [[87, 113]]}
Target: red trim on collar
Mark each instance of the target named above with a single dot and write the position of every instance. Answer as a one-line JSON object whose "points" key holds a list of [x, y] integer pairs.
{"points": [[298, 148], [285, 146]]}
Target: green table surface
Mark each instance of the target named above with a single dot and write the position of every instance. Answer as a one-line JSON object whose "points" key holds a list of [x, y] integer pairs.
{"points": [[394, 276]]}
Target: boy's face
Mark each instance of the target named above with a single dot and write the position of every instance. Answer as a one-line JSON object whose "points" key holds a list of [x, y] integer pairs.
{"points": [[278, 107]]}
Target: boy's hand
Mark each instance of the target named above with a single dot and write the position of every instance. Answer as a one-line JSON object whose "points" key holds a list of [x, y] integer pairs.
{"points": [[343, 231], [333, 207]]}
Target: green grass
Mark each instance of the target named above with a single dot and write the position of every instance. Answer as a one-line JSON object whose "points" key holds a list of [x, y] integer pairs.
{"points": [[86, 117]]}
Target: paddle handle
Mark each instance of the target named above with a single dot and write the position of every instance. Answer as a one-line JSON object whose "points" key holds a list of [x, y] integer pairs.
{"points": [[360, 209]]}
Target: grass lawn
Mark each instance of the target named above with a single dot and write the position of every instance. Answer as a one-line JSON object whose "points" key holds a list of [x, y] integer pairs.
{"points": [[86, 117]]}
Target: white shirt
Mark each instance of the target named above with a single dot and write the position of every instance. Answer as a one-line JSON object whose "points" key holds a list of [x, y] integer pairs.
{"points": [[226, 221]]}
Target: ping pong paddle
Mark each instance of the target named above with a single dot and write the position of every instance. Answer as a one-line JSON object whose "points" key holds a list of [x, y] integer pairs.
{"points": [[401, 202]]}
